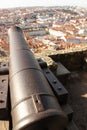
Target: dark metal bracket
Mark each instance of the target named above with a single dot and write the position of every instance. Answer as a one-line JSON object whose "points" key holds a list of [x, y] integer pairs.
{"points": [[58, 89]]}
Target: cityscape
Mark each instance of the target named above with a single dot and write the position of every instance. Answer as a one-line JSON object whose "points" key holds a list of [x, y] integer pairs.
{"points": [[46, 28]]}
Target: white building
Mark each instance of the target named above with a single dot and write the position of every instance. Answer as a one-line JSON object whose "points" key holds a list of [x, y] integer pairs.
{"points": [[58, 34]]}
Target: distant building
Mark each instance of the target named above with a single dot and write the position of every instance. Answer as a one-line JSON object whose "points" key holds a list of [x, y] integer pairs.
{"points": [[57, 34]]}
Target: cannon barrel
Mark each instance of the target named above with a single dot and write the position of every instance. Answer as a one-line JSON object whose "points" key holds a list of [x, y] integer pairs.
{"points": [[33, 104]]}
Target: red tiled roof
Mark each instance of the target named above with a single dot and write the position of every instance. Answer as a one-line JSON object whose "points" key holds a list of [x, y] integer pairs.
{"points": [[4, 45]]}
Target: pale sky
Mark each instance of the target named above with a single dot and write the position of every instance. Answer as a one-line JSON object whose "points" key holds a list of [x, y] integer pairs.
{"points": [[22, 3]]}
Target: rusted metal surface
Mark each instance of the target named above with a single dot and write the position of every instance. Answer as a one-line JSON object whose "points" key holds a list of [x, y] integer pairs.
{"points": [[4, 70], [4, 112], [34, 105]]}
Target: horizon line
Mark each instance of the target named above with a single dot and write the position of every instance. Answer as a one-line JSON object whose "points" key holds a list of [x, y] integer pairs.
{"points": [[43, 6]]}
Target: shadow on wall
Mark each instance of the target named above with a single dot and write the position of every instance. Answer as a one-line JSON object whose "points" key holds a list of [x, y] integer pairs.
{"points": [[72, 61]]}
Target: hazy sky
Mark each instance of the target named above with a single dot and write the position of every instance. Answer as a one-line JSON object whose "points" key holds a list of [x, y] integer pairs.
{"points": [[21, 3]]}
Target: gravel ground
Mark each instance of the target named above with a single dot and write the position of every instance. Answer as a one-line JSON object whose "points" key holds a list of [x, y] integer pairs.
{"points": [[77, 88]]}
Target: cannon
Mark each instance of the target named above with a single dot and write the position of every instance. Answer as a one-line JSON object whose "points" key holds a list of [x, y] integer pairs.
{"points": [[33, 103]]}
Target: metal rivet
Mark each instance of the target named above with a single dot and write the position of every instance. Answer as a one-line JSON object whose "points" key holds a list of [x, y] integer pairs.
{"points": [[59, 88], [4, 64], [47, 72], [54, 81], [1, 101], [3, 80], [1, 92]]}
